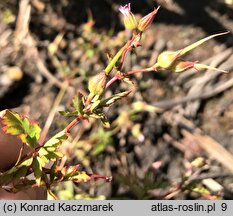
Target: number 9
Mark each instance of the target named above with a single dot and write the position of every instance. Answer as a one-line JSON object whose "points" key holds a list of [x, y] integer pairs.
{"points": [[224, 206]]}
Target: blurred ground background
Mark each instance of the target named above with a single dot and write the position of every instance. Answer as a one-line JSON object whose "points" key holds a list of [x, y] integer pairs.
{"points": [[171, 138]]}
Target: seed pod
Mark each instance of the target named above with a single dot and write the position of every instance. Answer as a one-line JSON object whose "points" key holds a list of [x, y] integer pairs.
{"points": [[165, 59], [180, 66], [146, 21]]}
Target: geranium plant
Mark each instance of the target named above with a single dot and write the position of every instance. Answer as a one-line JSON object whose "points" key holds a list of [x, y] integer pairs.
{"points": [[41, 165]]}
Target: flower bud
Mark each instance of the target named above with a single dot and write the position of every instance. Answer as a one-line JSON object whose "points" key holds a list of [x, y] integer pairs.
{"points": [[130, 21], [97, 84], [146, 21]]}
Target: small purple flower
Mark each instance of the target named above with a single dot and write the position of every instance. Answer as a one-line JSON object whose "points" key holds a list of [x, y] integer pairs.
{"points": [[125, 10], [129, 19]]}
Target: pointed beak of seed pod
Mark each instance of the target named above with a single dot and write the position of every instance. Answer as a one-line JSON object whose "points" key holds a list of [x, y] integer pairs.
{"points": [[146, 21]]}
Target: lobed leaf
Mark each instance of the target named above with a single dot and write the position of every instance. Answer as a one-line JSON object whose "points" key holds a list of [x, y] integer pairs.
{"points": [[78, 104], [53, 156], [49, 152], [100, 115], [109, 101], [15, 172], [17, 125], [80, 177], [57, 139], [37, 169]]}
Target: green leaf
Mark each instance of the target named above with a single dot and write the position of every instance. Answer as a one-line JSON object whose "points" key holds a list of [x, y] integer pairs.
{"points": [[78, 104], [57, 139], [6, 178], [94, 115], [95, 104], [100, 115], [21, 172], [42, 151], [109, 101], [37, 169], [58, 154], [80, 177], [105, 121], [51, 148], [128, 81], [27, 162], [69, 114], [52, 174], [17, 125], [15, 172], [54, 155], [44, 160]]}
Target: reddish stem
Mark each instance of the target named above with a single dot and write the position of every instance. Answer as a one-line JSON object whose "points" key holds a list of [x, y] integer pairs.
{"points": [[127, 49], [96, 176], [118, 77], [111, 81], [74, 122], [124, 56], [139, 71]]}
